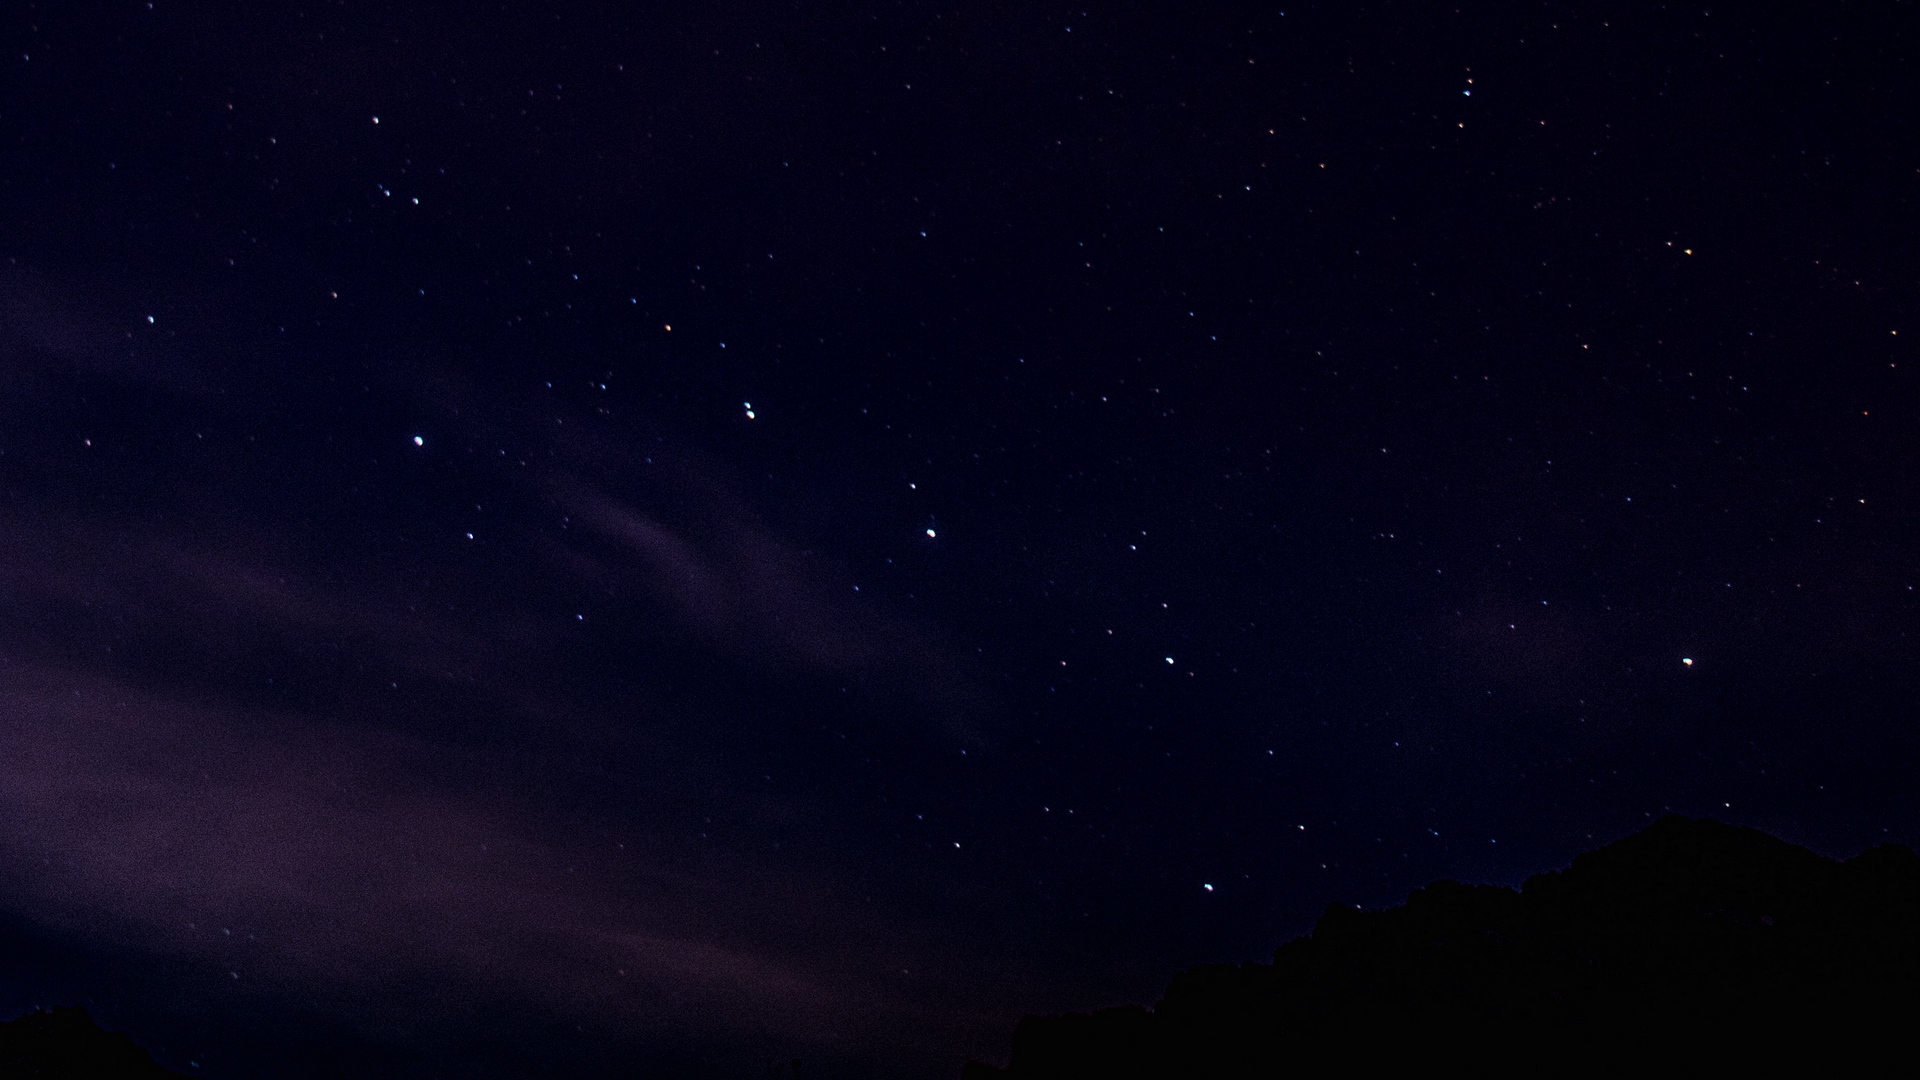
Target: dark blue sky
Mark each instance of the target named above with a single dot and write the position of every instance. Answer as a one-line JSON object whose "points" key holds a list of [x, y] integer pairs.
{"points": [[592, 536]]}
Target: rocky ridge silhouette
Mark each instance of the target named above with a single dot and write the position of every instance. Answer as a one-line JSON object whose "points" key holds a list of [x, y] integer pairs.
{"points": [[1691, 941], [65, 1044]]}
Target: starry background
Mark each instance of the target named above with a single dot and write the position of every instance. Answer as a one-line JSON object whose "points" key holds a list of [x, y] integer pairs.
{"points": [[558, 538]]}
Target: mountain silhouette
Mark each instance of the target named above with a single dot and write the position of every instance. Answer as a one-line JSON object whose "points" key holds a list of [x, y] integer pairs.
{"points": [[65, 1044], [1692, 943]]}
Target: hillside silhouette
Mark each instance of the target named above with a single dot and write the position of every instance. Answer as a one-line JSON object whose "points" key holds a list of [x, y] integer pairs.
{"points": [[65, 1044], [1693, 941]]}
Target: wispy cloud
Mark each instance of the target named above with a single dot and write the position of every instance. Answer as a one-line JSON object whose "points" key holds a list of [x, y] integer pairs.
{"points": [[744, 590], [156, 793]]}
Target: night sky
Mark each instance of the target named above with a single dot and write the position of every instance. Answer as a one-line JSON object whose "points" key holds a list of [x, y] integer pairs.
{"points": [[550, 538]]}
